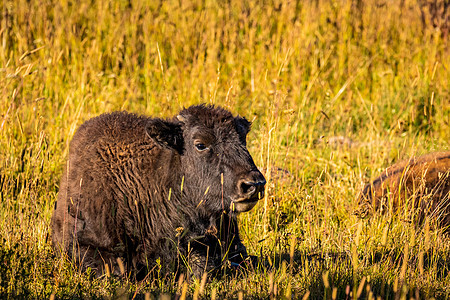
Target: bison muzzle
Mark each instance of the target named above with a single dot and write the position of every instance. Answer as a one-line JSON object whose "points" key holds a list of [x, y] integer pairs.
{"points": [[141, 192]]}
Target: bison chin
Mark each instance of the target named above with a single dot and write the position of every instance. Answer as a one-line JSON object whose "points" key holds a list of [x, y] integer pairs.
{"points": [[244, 205]]}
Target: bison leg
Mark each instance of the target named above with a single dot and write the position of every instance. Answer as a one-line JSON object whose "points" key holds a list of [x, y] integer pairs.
{"points": [[209, 253], [199, 263], [235, 251], [238, 253]]}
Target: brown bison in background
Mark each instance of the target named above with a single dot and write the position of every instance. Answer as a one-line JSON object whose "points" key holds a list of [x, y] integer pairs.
{"points": [[421, 185], [138, 190]]}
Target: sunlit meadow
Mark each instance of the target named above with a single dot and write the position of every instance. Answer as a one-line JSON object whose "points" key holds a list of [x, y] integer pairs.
{"points": [[336, 90]]}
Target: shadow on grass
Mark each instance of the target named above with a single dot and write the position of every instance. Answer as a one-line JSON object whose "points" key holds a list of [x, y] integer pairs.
{"points": [[322, 275], [376, 275]]}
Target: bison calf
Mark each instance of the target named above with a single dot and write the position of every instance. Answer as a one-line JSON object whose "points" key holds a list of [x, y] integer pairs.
{"points": [[421, 185], [139, 190]]}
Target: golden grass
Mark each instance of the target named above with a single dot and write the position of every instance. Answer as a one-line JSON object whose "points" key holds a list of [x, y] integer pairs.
{"points": [[302, 71]]}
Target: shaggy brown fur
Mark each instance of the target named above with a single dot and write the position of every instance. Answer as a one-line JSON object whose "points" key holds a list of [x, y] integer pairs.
{"points": [[420, 184], [145, 190]]}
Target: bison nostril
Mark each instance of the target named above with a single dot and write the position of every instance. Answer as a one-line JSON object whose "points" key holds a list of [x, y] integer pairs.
{"points": [[248, 188], [252, 186]]}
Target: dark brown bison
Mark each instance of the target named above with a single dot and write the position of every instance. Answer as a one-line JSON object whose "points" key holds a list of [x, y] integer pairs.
{"points": [[419, 185], [141, 192]]}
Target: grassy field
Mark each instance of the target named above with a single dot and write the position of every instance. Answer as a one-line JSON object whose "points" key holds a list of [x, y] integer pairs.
{"points": [[372, 73]]}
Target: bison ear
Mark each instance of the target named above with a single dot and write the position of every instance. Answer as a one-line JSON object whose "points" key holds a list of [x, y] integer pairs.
{"points": [[242, 125], [166, 134]]}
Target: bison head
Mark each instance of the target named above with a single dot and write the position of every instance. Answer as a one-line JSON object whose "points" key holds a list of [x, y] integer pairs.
{"points": [[218, 171]]}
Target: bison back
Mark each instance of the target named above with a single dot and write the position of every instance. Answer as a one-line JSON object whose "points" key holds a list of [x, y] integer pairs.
{"points": [[420, 185]]}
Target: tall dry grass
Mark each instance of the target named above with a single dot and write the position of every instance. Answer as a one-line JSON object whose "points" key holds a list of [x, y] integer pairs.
{"points": [[305, 72]]}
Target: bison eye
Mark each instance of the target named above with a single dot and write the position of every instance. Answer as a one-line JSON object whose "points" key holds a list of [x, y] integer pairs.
{"points": [[200, 146]]}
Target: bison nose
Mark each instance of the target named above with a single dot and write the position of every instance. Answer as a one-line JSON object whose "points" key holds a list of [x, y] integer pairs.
{"points": [[251, 188]]}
